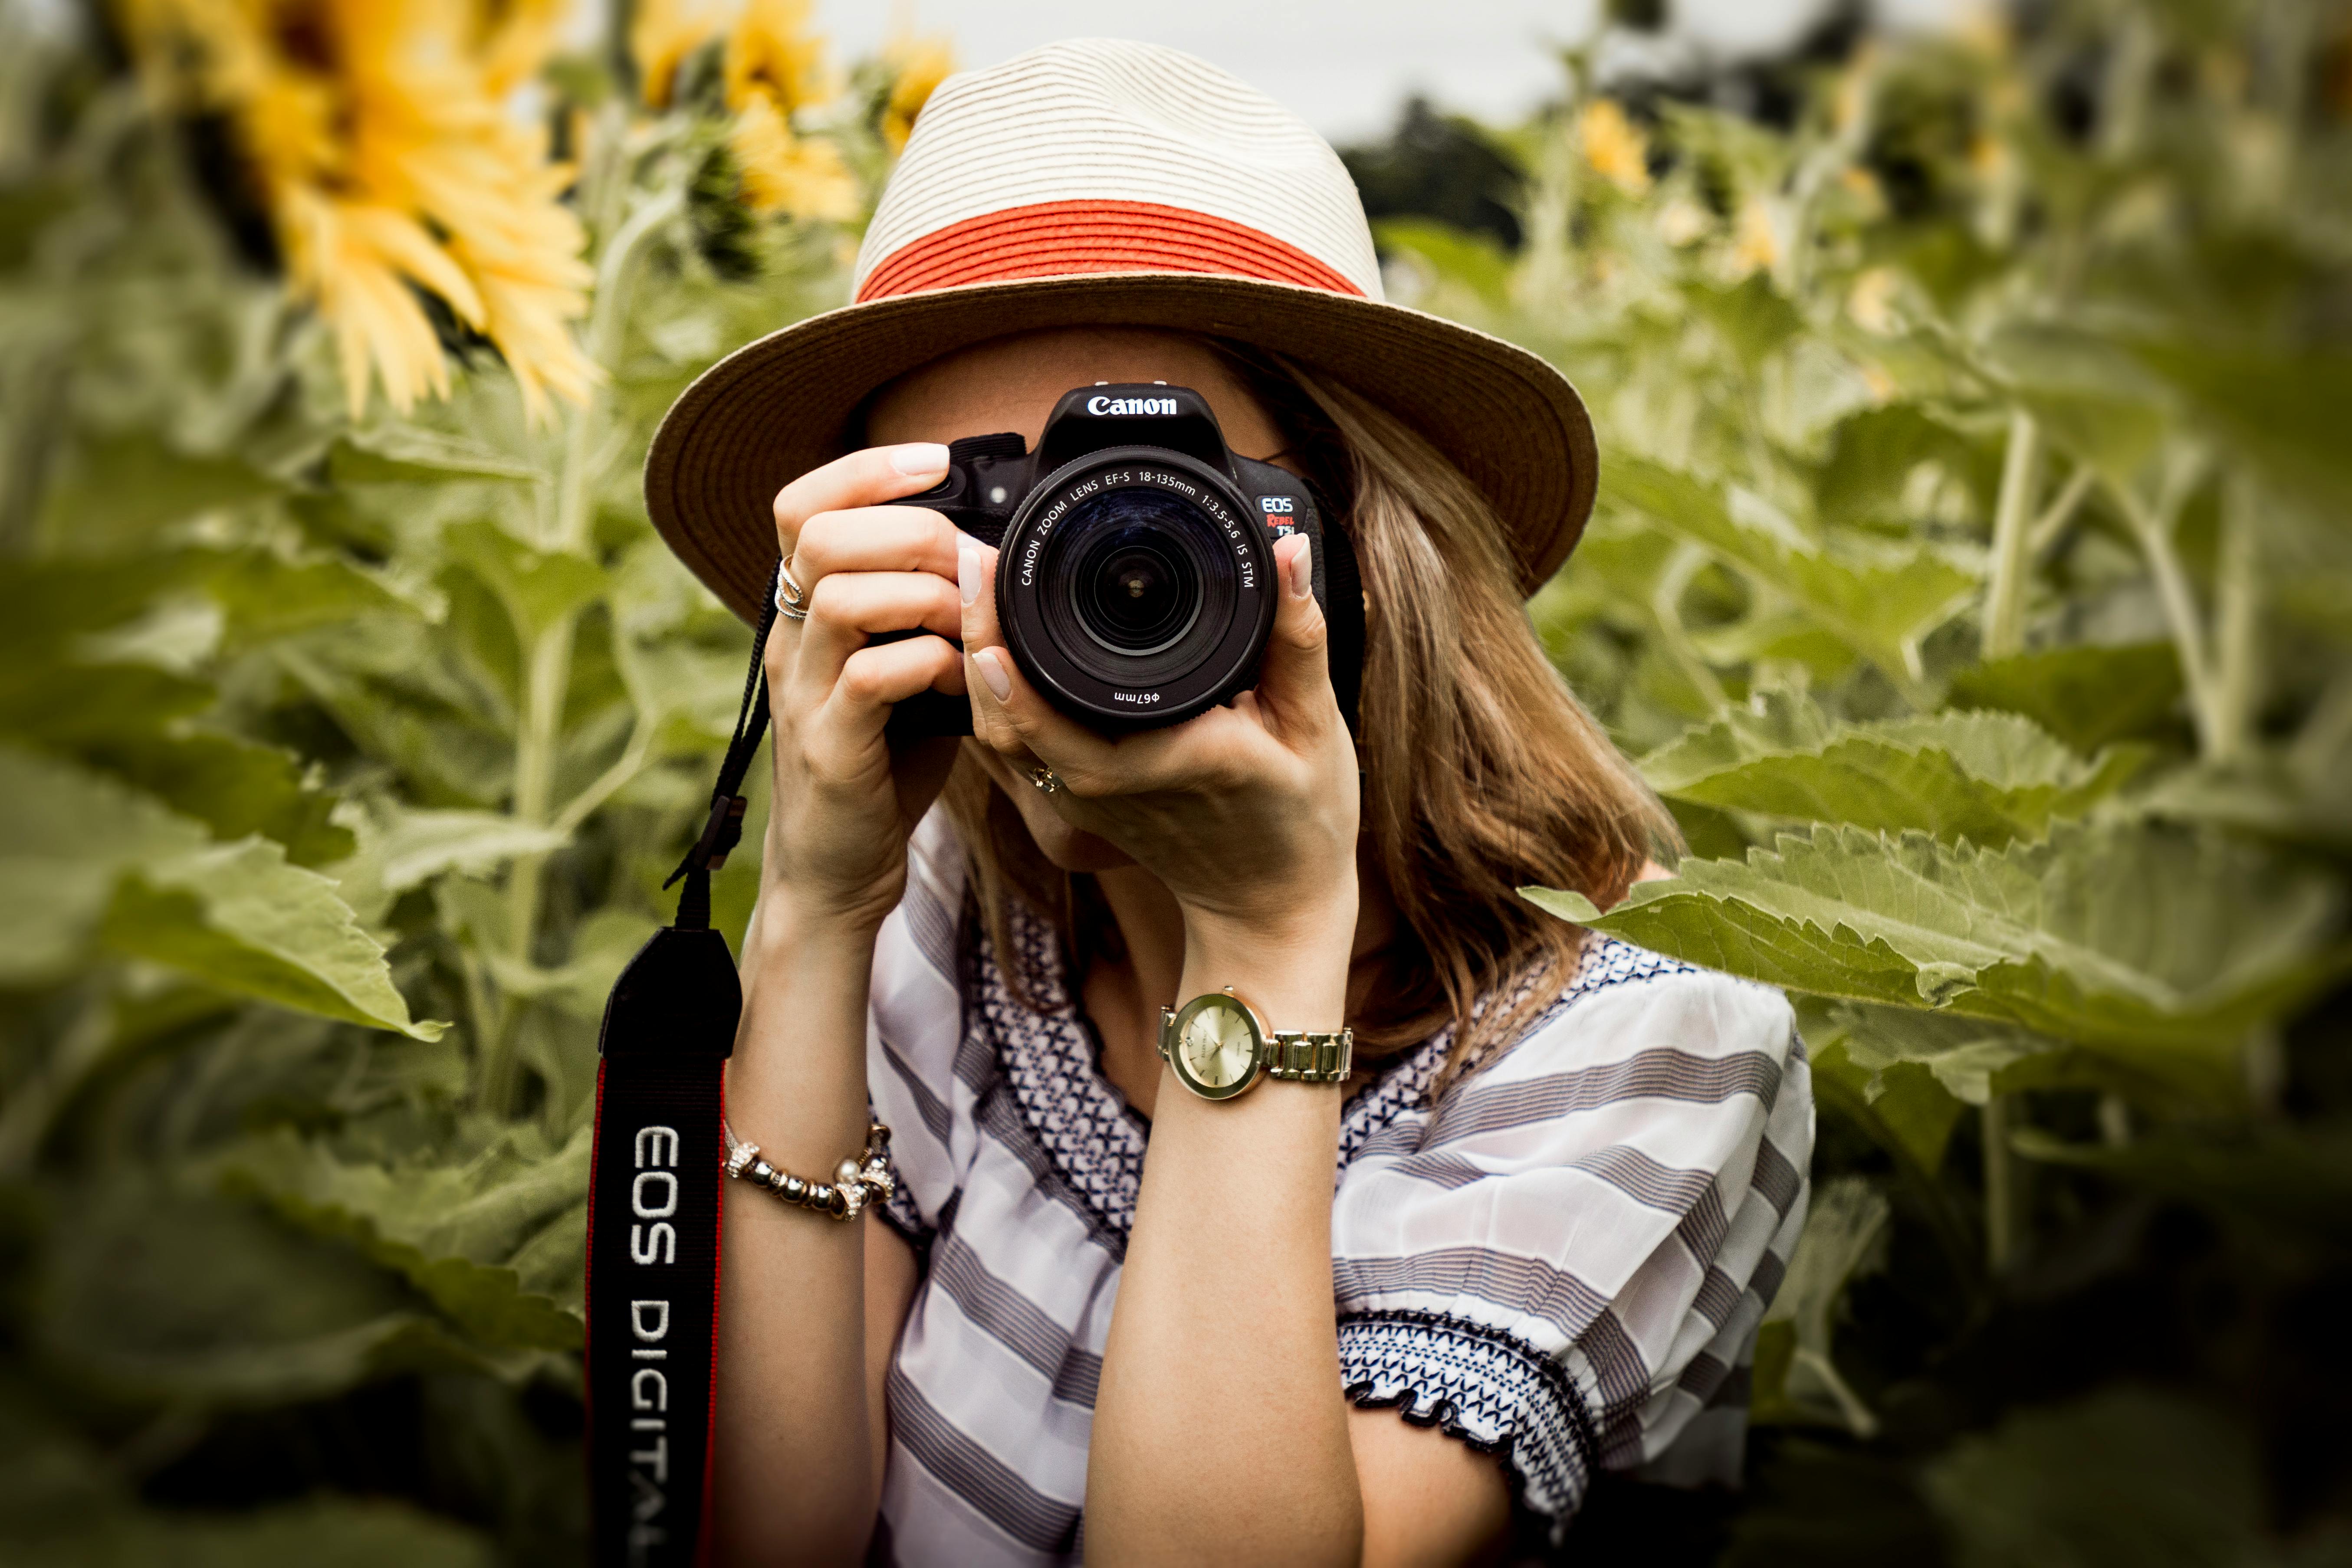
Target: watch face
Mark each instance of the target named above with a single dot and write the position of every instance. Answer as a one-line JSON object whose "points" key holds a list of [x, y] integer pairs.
{"points": [[1216, 1046]]}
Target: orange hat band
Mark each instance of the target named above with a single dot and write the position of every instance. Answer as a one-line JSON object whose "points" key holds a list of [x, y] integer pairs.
{"points": [[1052, 239]]}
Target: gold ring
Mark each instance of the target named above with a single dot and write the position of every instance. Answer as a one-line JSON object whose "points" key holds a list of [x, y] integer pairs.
{"points": [[791, 599], [1045, 779]]}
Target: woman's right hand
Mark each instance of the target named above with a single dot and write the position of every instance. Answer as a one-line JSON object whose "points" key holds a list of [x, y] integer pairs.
{"points": [[836, 847]]}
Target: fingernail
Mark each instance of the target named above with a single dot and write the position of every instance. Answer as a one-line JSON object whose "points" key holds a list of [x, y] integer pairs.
{"points": [[993, 671], [1301, 570], [968, 571], [920, 458]]}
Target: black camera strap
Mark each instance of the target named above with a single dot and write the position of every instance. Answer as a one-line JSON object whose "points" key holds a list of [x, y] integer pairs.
{"points": [[654, 1200]]}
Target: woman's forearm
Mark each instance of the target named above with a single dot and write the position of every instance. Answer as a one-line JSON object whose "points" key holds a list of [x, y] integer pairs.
{"points": [[793, 1469], [1219, 1431]]}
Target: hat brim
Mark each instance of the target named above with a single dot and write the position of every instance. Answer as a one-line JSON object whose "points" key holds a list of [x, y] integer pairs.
{"points": [[782, 405]]}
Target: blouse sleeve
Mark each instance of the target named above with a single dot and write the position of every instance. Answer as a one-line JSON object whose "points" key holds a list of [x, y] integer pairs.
{"points": [[1565, 1260], [915, 1034]]}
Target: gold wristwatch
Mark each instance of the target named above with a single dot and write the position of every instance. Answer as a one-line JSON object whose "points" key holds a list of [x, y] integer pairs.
{"points": [[1220, 1048]]}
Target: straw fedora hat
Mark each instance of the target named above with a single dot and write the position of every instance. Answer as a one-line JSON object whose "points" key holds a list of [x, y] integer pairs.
{"points": [[1104, 182]]}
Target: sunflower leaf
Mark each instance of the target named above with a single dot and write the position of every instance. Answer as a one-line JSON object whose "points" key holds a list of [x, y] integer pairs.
{"points": [[2273, 408], [66, 840], [409, 454], [242, 918], [2158, 947], [1989, 778], [538, 587], [495, 1242], [2086, 696], [163, 1291], [1881, 599]]}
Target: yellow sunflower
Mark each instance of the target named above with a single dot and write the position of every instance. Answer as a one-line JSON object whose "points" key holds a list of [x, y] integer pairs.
{"points": [[381, 138], [772, 67], [662, 33], [916, 67], [1613, 147]]}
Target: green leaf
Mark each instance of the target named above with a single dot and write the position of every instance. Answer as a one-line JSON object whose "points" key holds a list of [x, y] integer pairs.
{"points": [[239, 917], [117, 489], [1472, 260], [1902, 1103], [77, 848], [417, 846], [2285, 412], [327, 1533], [154, 1292], [2158, 947], [2087, 696], [1966, 1059], [496, 1242], [1753, 317], [2292, 1182], [265, 596], [410, 454], [66, 839], [1882, 599], [2125, 1479], [1989, 777], [66, 705], [46, 604], [64, 1502], [1872, 455], [2094, 401], [1843, 1240], [2292, 799], [538, 587], [234, 787]]}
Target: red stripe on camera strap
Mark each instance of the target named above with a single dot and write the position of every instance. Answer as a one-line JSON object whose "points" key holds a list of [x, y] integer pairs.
{"points": [[654, 1181]]}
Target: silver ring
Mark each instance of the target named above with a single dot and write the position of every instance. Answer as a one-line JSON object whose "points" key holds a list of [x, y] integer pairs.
{"points": [[791, 599], [1045, 779]]}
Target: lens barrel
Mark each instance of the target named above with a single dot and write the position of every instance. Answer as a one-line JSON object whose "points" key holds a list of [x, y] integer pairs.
{"points": [[1135, 587]]}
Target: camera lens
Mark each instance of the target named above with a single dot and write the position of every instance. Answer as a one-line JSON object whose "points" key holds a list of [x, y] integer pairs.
{"points": [[1133, 587], [1135, 594]]}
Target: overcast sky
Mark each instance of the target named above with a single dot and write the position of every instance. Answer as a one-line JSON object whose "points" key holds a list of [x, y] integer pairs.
{"points": [[1342, 65]]}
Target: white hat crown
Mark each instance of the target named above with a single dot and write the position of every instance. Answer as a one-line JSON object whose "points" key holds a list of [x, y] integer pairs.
{"points": [[1104, 154]]}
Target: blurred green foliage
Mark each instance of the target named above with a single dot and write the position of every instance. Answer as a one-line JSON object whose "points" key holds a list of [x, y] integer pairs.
{"points": [[1973, 576]]}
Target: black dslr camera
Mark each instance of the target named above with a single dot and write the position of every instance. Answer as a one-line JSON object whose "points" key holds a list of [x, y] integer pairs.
{"points": [[1135, 581]]}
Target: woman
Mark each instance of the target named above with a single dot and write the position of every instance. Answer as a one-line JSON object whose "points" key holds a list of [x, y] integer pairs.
{"points": [[1103, 1315]]}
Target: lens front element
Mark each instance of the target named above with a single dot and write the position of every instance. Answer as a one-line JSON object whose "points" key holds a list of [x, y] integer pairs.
{"points": [[1134, 587], [1136, 590]]}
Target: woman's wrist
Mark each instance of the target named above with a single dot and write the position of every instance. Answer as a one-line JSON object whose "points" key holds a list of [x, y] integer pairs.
{"points": [[786, 921], [1290, 964]]}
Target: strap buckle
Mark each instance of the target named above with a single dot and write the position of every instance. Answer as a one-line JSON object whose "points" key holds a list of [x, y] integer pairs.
{"points": [[721, 834]]}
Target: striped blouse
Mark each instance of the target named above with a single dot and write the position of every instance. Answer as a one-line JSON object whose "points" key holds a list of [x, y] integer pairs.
{"points": [[1561, 1262]]}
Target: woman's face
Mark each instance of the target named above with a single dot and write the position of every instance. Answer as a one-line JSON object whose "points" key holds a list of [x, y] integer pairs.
{"points": [[1013, 383]]}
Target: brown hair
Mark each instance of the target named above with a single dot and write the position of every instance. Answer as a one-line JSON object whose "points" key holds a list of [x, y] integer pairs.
{"points": [[1482, 771]]}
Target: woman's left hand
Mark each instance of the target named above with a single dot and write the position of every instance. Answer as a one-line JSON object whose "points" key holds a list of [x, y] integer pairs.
{"points": [[1247, 813]]}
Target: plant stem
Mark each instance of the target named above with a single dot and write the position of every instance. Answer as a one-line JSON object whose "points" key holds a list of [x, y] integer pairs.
{"points": [[539, 738], [2237, 632], [2153, 528], [2059, 512], [626, 766], [1665, 605], [1859, 1418], [2005, 634], [2012, 539], [2000, 1185]]}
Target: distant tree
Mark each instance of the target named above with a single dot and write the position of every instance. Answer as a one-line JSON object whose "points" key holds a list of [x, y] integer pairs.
{"points": [[1442, 166]]}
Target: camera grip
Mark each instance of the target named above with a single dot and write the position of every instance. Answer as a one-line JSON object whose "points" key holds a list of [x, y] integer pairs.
{"points": [[926, 713]]}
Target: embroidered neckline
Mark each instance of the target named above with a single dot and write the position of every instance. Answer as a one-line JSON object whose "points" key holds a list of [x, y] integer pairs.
{"points": [[1094, 1140], [1091, 1136]]}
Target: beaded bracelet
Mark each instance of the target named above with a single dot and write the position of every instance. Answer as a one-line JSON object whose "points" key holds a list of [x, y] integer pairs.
{"points": [[855, 1181]]}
